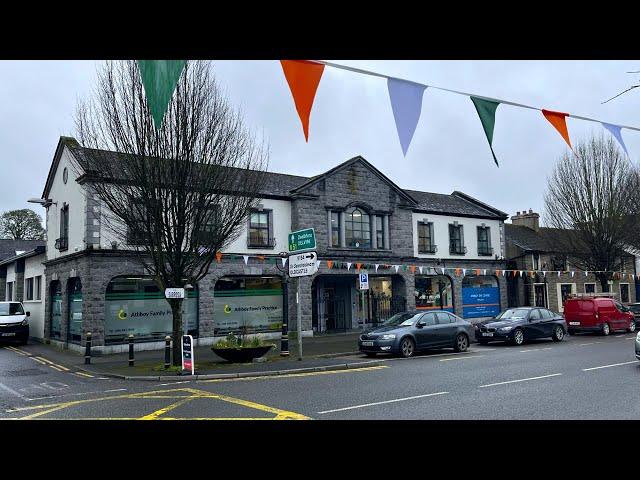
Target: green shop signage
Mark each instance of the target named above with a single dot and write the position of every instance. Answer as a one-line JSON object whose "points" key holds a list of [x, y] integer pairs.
{"points": [[302, 240]]}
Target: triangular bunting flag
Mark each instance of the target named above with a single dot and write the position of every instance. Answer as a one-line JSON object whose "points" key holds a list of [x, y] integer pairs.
{"points": [[318, 262], [521, 273], [615, 131], [442, 268], [412, 268], [396, 267], [586, 273], [406, 103], [303, 78], [218, 256], [464, 272], [572, 274], [544, 273], [284, 261], [420, 270], [559, 122], [348, 265], [329, 264], [487, 112], [261, 258], [558, 273], [377, 266], [160, 78], [484, 272], [358, 265], [246, 258]]}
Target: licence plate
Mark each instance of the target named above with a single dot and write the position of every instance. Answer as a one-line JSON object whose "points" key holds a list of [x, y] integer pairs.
{"points": [[367, 344], [487, 334], [12, 334], [574, 323]]}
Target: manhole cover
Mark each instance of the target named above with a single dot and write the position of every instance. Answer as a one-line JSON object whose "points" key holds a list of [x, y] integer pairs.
{"points": [[27, 372]]}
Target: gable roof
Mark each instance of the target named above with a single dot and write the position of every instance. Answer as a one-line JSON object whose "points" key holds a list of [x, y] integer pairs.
{"points": [[9, 248], [69, 142]]}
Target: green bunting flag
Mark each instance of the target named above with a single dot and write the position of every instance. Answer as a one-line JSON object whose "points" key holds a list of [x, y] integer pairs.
{"points": [[160, 78], [487, 112]]}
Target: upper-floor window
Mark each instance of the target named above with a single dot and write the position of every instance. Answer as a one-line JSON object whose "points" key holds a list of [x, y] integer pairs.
{"points": [[484, 241], [357, 228], [208, 227], [260, 229], [456, 240], [379, 232], [62, 243], [536, 261], [335, 229], [425, 238], [136, 231]]}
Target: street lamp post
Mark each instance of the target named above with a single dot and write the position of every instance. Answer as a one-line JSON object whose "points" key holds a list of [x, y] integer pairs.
{"points": [[284, 339]]}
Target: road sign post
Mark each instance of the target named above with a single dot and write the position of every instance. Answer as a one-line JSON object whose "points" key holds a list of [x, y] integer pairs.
{"points": [[363, 279]]}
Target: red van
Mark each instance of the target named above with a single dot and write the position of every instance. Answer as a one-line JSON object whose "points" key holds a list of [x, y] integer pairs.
{"points": [[597, 314]]}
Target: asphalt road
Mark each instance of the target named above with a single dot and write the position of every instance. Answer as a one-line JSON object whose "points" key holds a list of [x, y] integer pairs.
{"points": [[583, 377]]}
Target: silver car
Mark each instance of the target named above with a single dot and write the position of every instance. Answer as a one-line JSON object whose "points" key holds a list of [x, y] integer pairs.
{"points": [[638, 346]]}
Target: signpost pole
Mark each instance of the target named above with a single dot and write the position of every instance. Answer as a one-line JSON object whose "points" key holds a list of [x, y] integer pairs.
{"points": [[299, 318]]}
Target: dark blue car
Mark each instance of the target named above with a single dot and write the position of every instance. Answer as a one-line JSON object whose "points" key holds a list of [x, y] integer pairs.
{"points": [[408, 332]]}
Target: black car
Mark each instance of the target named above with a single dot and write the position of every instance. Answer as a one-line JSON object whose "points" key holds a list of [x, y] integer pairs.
{"points": [[518, 324], [407, 332], [635, 309]]}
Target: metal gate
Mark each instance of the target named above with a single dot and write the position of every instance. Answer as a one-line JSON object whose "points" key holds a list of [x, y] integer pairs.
{"points": [[382, 307], [332, 315]]}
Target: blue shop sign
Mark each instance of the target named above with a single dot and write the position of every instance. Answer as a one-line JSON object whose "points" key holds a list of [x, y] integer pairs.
{"points": [[480, 302]]}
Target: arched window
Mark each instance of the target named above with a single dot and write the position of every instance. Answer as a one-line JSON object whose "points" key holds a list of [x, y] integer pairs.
{"points": [[357, 228]]}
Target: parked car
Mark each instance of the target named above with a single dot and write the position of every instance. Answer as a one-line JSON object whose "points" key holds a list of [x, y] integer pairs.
{"points": [[635, 309], [597, 314], [408, 332], [638, 346], [516, 325], [14, 324]]}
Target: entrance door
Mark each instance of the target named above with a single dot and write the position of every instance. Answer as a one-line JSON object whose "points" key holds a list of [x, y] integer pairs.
{"points": [[540, 294], [332, 311]]}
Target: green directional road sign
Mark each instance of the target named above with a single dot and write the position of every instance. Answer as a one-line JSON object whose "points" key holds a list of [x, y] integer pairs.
{"points": [[302, 240]]}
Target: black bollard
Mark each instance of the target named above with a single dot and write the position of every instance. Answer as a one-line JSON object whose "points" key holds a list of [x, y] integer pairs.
{"points": [[167, 352], [131, 350], [87, 350]]}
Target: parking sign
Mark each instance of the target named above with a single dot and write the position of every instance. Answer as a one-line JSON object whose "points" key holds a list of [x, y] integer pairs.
{"points": [[364, 281]]}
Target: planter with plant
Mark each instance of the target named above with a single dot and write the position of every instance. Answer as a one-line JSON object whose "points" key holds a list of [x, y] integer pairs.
{"points": [[240, 349]]}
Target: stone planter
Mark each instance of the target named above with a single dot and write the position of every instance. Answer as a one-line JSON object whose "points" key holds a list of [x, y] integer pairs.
{"points": [[241, 354]]}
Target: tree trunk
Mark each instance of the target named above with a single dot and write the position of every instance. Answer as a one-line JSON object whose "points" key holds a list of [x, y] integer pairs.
{"points": [[176, 310], [604, 282]]}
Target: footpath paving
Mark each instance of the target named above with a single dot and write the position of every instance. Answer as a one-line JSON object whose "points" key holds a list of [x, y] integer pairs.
{"points": [[322, 352]]}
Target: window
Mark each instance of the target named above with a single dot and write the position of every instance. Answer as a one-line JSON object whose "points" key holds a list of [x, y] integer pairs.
{"points": [[444, 317], [7, 309], [379, 232], [209, 226], [589, 288], [547, 314], [433, 292], [428, 319], [535, 315], [136, 232], [484, 241], [28, 287], [10, 291], [62, 243], [456, 242], [425, 238], [536, 261], [357, 228], [624, 292], [335, 229], [260, 229], [38, 287]]}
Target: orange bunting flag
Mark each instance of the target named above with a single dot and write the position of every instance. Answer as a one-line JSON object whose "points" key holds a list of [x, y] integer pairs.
{"points": [[458, 270], [515, 272], [412, 268], [559, 122], [477, 270], [303, 78], [218, 256], [329, 264], [497, 272], [358, 265], [261, 258]]}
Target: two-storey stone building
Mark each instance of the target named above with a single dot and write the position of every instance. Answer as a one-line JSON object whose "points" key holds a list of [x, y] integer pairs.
{"points": [[360, 217]]}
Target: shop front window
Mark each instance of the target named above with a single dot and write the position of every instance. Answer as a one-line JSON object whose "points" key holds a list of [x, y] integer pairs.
{"points": [[74, 334], [254, 303], [480, 296], [56, 310], [433, 292], [135, 305]]}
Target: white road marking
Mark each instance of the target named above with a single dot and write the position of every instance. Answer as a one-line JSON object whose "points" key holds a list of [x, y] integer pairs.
{"points": [[73, 394], [618, 336], [607, 366], [12, 391], [534, 349], [172, 383], [116, 390], [382, 403], [631, 338], [585, 344], [461, 358], [521, 380]]}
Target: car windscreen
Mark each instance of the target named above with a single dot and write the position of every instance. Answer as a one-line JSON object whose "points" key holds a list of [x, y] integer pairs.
{"points": [[10, 309], [401, 319], [634, 308], [513, 314]]}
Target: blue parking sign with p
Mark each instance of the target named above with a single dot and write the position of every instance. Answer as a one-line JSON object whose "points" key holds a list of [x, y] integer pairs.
{"points": [[364, 281]]}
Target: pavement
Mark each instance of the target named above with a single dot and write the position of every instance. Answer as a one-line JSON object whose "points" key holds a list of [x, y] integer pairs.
{"points": [[319, 352], [583, 377]]}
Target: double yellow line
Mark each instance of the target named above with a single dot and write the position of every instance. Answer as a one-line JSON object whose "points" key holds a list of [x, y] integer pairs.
{"points": [[42, 360]]}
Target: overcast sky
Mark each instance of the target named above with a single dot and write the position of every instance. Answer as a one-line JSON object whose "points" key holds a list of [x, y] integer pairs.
{"points": [[352, 116]]}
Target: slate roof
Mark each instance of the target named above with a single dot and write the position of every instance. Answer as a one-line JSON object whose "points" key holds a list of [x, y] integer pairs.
{"points": [[10, 248], [544, 240], [454, 204]]}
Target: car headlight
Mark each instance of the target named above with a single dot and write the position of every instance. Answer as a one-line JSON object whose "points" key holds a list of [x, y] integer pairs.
{"points": [[361, 337], [24, 322], [506, 329], [388, 336]]}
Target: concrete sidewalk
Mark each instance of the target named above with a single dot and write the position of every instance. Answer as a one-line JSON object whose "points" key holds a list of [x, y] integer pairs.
{"points": [[320, 352]]}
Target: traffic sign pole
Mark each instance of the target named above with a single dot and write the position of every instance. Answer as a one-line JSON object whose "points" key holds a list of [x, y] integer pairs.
{"points": [[299, 319]]}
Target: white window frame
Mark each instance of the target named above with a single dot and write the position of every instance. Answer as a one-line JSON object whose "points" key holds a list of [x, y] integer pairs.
{"points": [[595, 286], [546, 287], [559, 293], [629, 291]]}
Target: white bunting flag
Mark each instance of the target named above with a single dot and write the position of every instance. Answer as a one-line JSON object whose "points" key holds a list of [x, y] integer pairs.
{"points": [[246, 258], [420, 270], [442, 268], [544, 273], [318, 263], [484, 272], [586, 273], [520, 272], [377, 265], [396, 267], [348, 265], [572, 273], [284, 261], [558, 273]]}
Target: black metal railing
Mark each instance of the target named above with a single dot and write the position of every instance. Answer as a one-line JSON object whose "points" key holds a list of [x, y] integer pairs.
{"points": [[260, 242], [384, 307], [485, 251], [455, 249], [62, 243], [428, 249]]}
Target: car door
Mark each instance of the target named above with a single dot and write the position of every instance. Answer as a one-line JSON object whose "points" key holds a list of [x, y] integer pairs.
{"points": [[547, 323], [425, 333], [622, 322], [533, 327], [446, 329]]}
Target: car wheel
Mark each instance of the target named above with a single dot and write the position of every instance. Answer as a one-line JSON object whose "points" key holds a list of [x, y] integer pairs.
{"points": [[632, 327], [558, 334], [605, 329], [370, 354], [407, 347], [462, 343], [518, 337]]}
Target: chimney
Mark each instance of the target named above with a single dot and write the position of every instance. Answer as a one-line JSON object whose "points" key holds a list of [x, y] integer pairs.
{"points": [[530, 220]]}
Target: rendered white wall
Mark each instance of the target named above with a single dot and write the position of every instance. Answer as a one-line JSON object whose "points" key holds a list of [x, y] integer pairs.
{"points": [[32, 268]]}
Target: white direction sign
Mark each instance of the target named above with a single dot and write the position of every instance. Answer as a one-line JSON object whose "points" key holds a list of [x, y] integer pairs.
{"points": [[364, 281], [303, 264], [174, 292]]}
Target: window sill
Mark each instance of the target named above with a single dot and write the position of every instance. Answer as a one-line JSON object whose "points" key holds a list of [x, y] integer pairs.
{"points": [[32, 301], [426, 253], [354, 249], [265, 247], [460, 254]]}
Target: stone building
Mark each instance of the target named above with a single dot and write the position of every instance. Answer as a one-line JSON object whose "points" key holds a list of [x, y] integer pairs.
{"points": [[361, 218]]}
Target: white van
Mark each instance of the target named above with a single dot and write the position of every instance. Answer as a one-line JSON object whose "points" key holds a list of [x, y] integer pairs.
{"points": [[14, 324]]}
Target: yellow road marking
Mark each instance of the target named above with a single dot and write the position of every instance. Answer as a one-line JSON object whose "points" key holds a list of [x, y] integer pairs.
{"points": [[157, 413], [83, 374], [55, 368], [289, 375], [192, 394], [52, 363], [20, 352], [39, 361]]}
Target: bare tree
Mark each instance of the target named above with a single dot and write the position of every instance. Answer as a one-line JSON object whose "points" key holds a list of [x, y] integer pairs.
{"points": [[177, 194], [23, 224], [590, 197]]}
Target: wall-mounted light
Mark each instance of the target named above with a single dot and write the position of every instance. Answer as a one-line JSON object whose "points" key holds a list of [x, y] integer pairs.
{"points": [[45, 202]]}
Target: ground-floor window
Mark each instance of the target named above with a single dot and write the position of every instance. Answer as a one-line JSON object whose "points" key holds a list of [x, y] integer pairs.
{"points": [[564, 290], [624, 292], [251, 302], [480, 296], [56, 310], [74, 334], [135, 305], [433, 292], [589, 288], [540, 295]]}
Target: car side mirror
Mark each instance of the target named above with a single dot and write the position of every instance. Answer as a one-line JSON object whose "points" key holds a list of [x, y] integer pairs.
{"points": [[28, 314], [420, 324]]}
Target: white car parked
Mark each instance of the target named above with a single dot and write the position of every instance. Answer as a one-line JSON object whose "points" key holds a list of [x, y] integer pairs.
{"points": [[14, 322]]}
